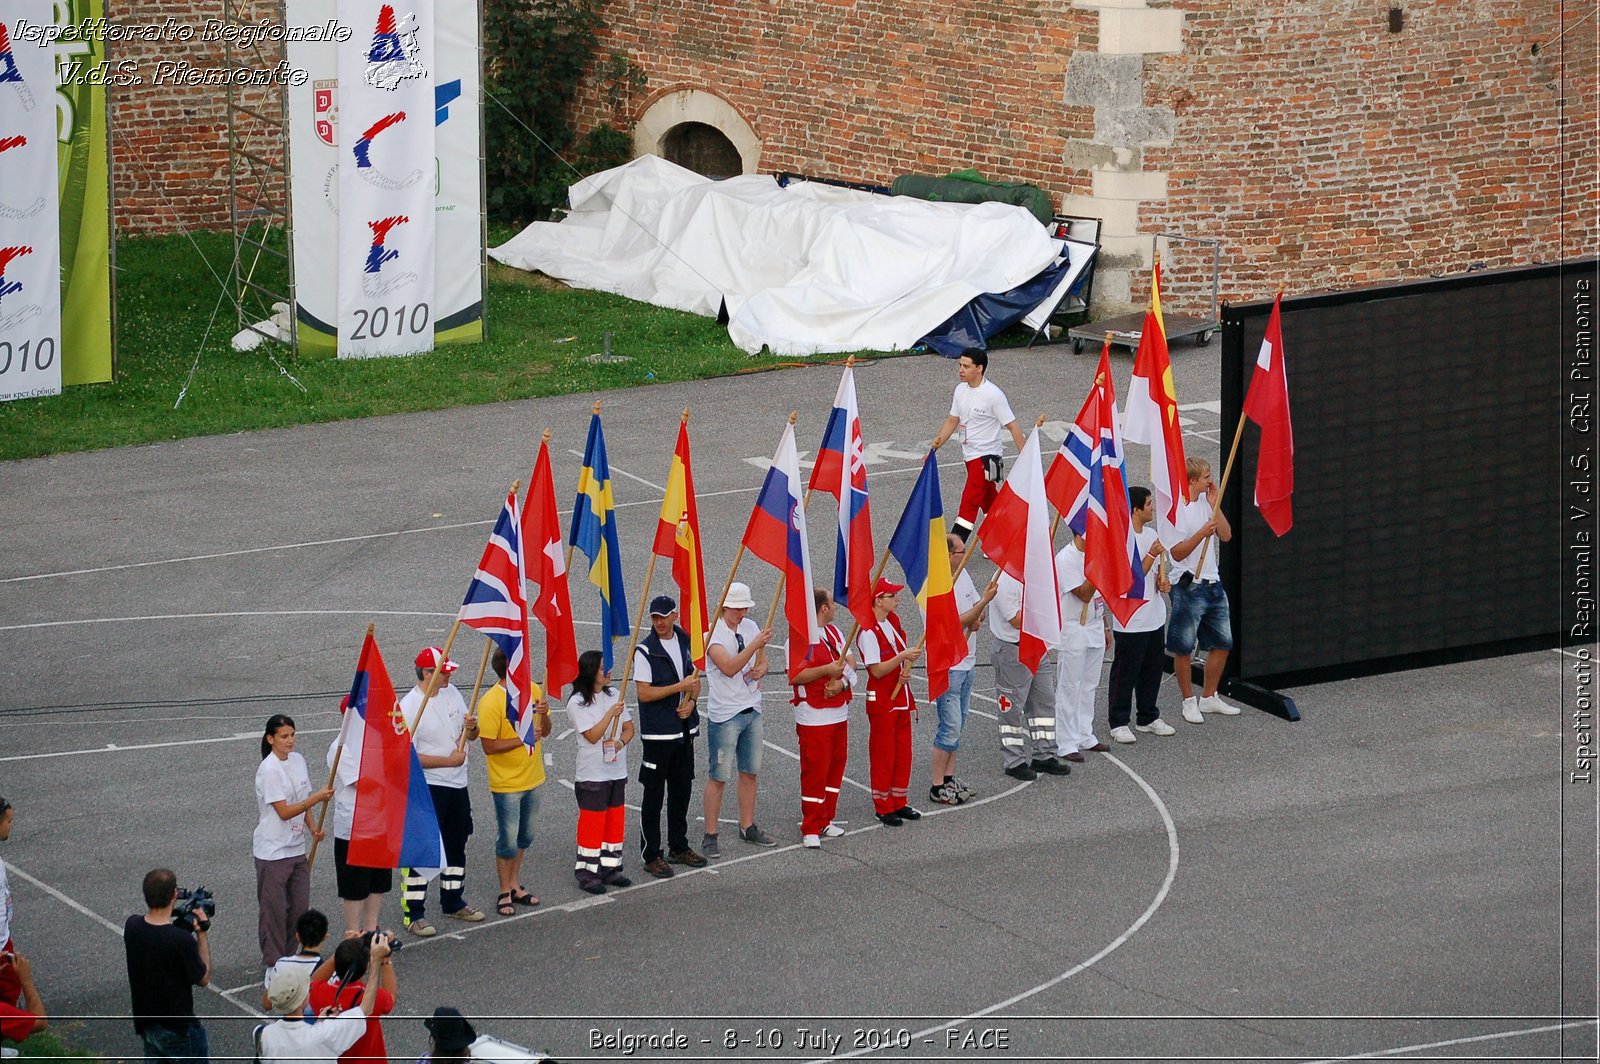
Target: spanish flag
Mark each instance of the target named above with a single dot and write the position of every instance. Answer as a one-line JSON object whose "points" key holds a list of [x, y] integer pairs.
{"points": [[678, 538], [594, 531], [919, 546]]}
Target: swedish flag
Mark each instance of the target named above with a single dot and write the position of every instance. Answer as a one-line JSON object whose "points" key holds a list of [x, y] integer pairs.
{"points": [[594, 531]]}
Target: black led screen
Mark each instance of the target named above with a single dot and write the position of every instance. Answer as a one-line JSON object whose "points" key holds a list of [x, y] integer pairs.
{"points": [[1427, 477]]}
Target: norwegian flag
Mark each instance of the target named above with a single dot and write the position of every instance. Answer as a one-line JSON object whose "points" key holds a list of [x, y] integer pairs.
{"points": [[1087, 483], [497, 605], [841, 471]]}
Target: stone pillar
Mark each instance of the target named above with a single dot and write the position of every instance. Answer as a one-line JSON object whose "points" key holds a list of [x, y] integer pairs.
{"points": [[1111, 80]]}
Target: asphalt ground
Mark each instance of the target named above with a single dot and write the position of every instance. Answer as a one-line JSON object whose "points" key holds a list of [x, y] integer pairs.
{"points": [[1404, 872]]}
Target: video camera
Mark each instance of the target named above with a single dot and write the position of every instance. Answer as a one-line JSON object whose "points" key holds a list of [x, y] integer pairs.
{"points": [[187, 903]]}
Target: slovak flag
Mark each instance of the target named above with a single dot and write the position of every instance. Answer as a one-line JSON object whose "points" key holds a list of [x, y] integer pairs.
{"points": [[497, 605], [546, 567], [1088, 484], [841, 471], [777, 535], [1153, 411], [1267, 404], [1016, 537], [394, 824]]}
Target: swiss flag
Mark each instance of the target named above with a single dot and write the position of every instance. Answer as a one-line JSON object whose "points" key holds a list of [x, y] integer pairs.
{"points": [[1267, 404]]}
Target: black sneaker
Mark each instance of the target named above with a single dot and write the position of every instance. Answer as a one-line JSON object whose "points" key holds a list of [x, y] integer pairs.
{"points": [[905, 812], [944, 794], [892, 820], [1051, 766], [1022, 772]]}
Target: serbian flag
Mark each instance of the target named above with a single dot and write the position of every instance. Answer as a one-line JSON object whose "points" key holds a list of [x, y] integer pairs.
{"points": [[678, 538], [777, 535], [1016, 537], [497, 605], [919, 546], [394, 825], [841, 471], [1267, 404], [1088, 484], [594, 531], [546, 567], [1153, 411]]}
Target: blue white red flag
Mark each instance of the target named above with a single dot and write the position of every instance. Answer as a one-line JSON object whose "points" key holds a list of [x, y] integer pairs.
{"points": [[841, 471], [497, 605], [1088, 485], [394, 824], [777, 535]]}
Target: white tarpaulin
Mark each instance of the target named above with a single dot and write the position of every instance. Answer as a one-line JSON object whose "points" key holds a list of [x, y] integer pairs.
{"points": [[804, 269]]}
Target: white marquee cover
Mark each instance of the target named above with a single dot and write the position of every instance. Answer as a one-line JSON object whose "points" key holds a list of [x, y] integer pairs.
{"points": [[804, 269]]}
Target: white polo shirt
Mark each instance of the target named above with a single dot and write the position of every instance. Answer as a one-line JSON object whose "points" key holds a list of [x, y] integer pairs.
{"points": [[1153, 614], [1074, 620], [1006, 604], [442, 726], [984, 414], [1191, 515]]}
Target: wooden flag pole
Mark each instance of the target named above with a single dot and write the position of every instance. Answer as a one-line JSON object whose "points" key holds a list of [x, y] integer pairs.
{"points": [[477, 687], [638, 621], [737, 558], [333, 770], [1227, 470], [573, 546]]}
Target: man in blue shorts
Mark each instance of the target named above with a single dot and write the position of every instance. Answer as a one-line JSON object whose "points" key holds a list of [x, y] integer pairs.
{"points": [[1199, 603], [738, 661]]}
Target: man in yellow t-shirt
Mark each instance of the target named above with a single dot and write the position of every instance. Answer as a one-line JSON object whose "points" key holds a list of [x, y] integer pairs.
{"points": [[515, 775]]}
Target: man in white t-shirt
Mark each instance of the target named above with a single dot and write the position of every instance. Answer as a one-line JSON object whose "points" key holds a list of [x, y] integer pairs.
{"points": [[956, 702], [440, 738], [1027, 716], [980, 411], [1080, 655], [1199, 603], [1140, 646], [737, 662]]}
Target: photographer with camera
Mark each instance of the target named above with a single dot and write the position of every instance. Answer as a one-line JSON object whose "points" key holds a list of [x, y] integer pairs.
{"points": [[338, 983], [168, 956], [296, 1035]]}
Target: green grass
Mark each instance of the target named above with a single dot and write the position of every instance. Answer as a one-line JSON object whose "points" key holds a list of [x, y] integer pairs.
{"points": [[165, 296], [47, 1045]]}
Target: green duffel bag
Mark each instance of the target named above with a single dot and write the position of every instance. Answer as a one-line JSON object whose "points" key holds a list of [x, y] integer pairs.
{"points": [[968, 186]]}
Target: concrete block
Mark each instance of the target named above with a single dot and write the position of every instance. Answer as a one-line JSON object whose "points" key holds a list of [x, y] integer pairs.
{"points": [[1119, 217], [1134, 126], [1128, 252], [1113, 290], [1087, 155], [1095, 80], [1118, 185], [1141, 30]]}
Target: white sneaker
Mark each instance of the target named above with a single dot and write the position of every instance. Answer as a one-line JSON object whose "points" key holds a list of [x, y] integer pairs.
{"points": [[1123, 735], [1156, 727], [1215, 704], [832, 831], [812, 842], [1191, 711]]}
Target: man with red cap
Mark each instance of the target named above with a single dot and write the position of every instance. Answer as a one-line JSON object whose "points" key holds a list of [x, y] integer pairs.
{"points": [[440, 737], [821, 700], [887, 656]]}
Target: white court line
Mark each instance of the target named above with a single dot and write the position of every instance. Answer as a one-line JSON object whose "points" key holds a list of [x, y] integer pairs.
{"points": [[236, 613], [113, 748], [1377, 1053], [790, 753], [84, 910], [618, 469], [1112, 946]]}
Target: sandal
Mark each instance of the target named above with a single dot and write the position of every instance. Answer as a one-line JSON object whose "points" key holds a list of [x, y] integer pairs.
{"points": [[503, 905], [522, 896]]}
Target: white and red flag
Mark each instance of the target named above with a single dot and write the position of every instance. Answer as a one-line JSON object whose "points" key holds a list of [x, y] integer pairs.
{"points": [[841, 471], [1016, 537], [1152, 417], [1267, 404], [547, 568]]}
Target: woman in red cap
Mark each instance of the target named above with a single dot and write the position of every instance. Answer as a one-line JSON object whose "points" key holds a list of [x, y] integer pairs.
{"points": [[888, 655]]}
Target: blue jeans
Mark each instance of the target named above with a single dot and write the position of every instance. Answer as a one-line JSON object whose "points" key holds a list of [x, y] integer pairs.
{"points": [[734, 742], [1199, 618], [513, 813], [189, 1046], [953, 706]]}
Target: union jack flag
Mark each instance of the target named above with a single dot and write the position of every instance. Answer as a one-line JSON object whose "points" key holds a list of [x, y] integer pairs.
{"points": [[497, 605]]}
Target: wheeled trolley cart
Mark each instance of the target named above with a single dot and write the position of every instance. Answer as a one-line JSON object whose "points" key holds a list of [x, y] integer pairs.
{"points": [[1126, 329]]}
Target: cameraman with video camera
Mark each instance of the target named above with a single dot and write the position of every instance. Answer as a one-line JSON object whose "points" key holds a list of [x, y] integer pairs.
{"points": [[168, 956]]}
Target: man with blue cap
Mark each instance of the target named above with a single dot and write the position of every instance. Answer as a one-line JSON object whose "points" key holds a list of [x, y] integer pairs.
{"points": [[667, 686]]}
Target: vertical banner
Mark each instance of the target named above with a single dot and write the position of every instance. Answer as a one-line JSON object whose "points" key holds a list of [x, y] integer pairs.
{"points": [[30, 235], [83, 160], [386, 191], [322, 139]]}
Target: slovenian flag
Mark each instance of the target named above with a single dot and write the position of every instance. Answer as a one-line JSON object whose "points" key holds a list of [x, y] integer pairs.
{"points": [[919, 546], [777, 535]]}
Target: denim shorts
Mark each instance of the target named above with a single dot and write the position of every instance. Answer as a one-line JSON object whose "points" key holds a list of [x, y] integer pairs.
{"points": [[1199, 610], [513, 814], [734, 741], [953, 707]]}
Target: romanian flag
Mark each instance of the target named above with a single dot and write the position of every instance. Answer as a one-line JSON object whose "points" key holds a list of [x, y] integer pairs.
{"points": [[394, 824], [920, 548], [594, 531], [1152, 417], [678, 538]]}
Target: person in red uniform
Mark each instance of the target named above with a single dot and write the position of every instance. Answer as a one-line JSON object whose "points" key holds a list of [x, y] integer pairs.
{"points": [[887, 656], [339, 984], [821, 700]]}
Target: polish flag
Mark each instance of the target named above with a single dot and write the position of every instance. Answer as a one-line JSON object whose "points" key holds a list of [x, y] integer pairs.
{"points": [[1016, 536]]}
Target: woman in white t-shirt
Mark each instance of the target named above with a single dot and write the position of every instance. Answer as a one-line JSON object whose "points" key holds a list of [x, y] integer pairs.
{"points": [[284, 800], [605, 727]]}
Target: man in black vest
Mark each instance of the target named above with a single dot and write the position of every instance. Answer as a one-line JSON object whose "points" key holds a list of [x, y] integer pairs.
{"points": [[667, 687]]}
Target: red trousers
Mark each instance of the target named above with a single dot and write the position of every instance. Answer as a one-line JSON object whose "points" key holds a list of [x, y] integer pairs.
{"points": [[600, 825], [978, 493], [824, 748], [889, 746], [10, 985]]}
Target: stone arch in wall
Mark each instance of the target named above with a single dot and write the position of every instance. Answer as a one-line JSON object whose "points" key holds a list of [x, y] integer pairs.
{"points": [[691, 125]]}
